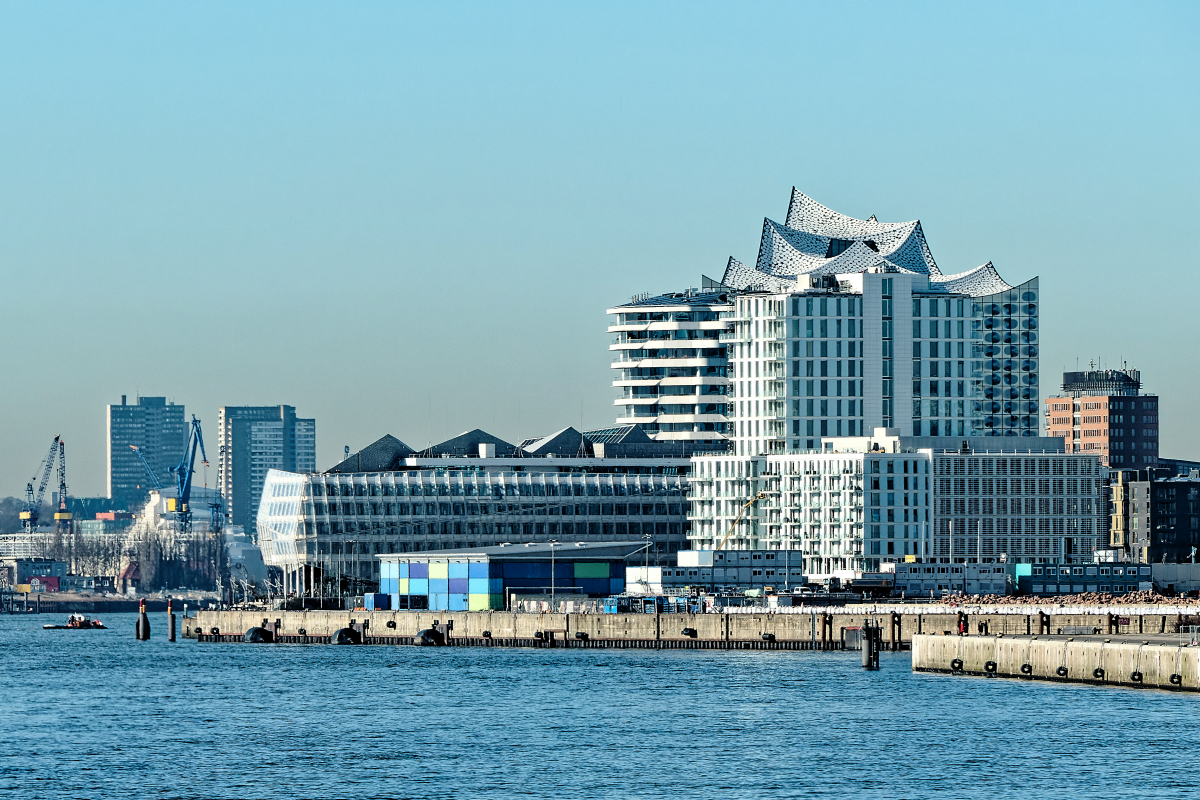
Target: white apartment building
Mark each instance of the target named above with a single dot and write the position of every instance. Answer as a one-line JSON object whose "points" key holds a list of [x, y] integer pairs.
{"points": [[842, 325], [865, 501], [670, 362]]}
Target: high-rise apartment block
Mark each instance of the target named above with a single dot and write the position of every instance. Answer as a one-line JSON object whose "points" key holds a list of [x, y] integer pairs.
{"points": [[159, 431], [252, 440], [671, 364], [845, 325], [1103, 412]]}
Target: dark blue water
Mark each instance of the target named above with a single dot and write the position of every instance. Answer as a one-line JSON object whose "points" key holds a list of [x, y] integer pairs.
{"points": [[98, 715]]}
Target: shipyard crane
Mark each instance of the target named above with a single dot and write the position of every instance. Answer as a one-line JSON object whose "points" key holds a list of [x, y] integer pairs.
{"points": [[62, 517], [33, 503], [183, 475], [753, 500], [149, 470]]}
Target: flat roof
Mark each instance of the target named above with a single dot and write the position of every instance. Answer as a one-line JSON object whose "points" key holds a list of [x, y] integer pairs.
{"points": [[534, 551]]}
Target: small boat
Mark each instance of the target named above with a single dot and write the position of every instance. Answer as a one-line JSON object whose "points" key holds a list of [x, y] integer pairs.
{"points": [[77, 622]]}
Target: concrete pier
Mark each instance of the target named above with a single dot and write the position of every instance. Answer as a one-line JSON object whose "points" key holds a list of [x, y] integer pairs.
{"points": [[1158, 662]]}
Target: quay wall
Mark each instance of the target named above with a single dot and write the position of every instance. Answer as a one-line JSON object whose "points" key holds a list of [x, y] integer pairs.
{"points": [[1063, 659], [804, 625]]}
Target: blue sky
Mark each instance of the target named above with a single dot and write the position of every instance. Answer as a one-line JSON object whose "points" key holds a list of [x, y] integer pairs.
{"points": [[410, 219]]}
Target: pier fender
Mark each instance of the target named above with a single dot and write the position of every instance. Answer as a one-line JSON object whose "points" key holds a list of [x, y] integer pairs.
{"points": [[581, 636], [1176, 679], [391, 623], [956, 665], [1135, 676], [429, 638], [1027, 669], [1061, 672], [1098, 674], [688, 632], [990, 667], [302, 632], [259, 636], [214, 630], [345, 636]]}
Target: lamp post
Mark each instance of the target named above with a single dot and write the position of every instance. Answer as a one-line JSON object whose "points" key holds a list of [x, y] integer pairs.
{"points": [[553, 600]]}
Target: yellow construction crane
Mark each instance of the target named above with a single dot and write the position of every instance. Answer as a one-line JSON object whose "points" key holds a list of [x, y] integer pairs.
{"points": [[752, 501]]}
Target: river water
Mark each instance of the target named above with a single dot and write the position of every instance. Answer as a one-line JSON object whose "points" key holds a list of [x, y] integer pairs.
{"points": [[97, 714]]}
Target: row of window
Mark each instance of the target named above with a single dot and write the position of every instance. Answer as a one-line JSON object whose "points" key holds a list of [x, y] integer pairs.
{"points": [[474, 509], [611, 487]]}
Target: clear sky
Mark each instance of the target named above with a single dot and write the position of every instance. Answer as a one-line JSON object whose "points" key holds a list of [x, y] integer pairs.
{"points": [[410, 219]]}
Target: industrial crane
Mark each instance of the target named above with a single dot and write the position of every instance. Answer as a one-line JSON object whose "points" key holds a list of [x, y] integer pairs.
{"points": [[62, 517], [149, 470], [181, 503], [33, 504], [753, 500]]}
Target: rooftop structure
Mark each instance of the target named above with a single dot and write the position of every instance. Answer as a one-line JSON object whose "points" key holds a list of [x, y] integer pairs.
{"points": [[1109, 382]]}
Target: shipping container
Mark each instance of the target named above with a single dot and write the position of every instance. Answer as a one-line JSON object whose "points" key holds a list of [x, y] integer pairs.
{"points": [[458, 601], [418, 569], [616, 585], [497, 601], [457, 569], [459, 585], [496, 585], [591, 569]]}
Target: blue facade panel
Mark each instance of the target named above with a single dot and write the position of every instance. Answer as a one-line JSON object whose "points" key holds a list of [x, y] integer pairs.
{"points": [[477, 569], [616, 585], [459, 585], [437, 586], [439, 602], [479, 586], [458, 601], [418, 586], [599, 586], [457, 569]]}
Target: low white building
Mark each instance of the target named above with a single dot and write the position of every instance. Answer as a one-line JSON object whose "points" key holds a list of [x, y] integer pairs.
{"points": [[867, 501]]}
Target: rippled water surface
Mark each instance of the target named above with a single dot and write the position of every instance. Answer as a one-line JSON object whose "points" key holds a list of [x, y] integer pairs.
{"points": [[97, 714]]}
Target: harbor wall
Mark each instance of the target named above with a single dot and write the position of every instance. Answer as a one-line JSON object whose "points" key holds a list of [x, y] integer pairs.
{"points": [[1093, 660], [898, 627]]}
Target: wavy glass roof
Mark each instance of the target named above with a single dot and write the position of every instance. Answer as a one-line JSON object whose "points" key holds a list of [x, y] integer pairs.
{"points": [[819, 241]]}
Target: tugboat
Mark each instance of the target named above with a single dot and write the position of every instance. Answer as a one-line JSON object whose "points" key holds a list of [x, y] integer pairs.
{"points": [[77, 622]]}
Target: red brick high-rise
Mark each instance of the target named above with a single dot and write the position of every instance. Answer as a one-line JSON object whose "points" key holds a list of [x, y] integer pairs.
{"points": [[1104, 412]]}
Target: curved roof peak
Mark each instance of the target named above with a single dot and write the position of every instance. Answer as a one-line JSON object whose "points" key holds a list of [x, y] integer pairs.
{"points": [[808, 215]]}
